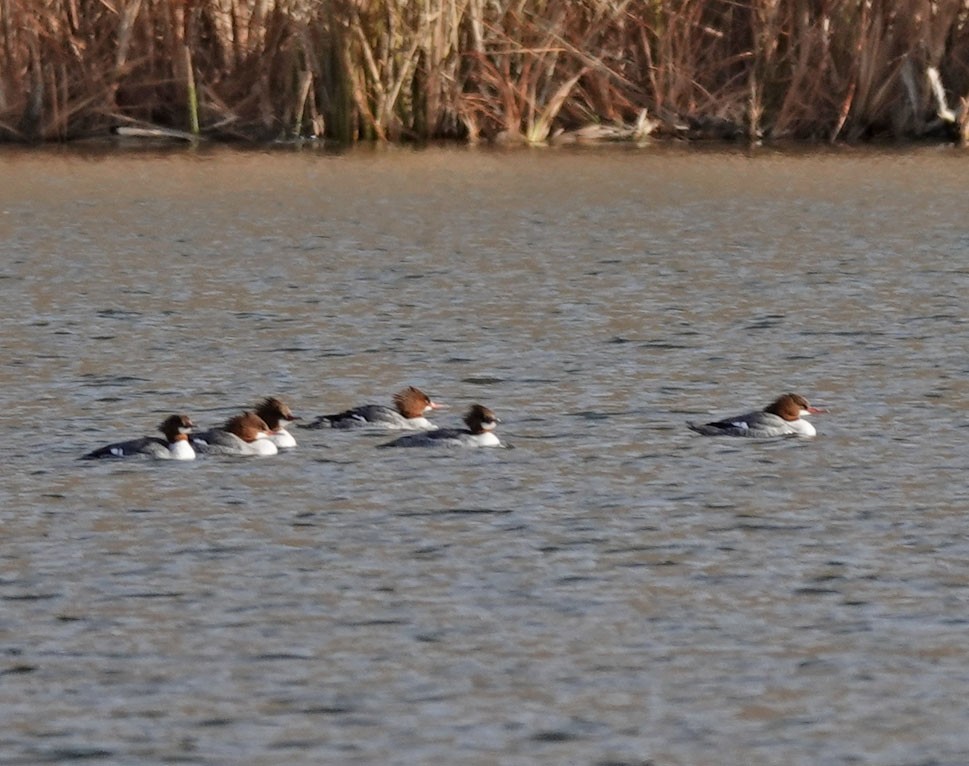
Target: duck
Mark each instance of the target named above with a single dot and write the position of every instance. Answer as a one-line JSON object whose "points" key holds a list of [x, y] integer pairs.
{"points": [[276, 414], [175, 445], [410, 406], [785, 416], [480, 422], [245, 435]]}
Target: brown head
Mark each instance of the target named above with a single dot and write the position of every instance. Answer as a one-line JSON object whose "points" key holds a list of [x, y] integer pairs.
{"points": [[480, 419], [273, 411], [248, 426], [413, 403], [176, 428], [792, 407]]}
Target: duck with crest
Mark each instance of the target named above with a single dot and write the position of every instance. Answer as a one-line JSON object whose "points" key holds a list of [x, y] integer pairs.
{"points": [[244, 435], [175, 445], [782, 417], [480, 422], [408, 414]]}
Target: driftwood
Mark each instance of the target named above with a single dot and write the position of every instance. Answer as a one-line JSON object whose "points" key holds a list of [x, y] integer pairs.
{"points": [[127, 131], [639, 131], [958, 119]]}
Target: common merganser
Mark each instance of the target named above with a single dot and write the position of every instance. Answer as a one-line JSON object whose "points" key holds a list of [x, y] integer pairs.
{"points": [[275, 412], [245, 434], [410, 406], [481, 423], [783, 417], [175, 445]]}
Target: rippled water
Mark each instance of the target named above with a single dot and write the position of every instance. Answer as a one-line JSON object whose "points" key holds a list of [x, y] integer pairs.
{"points": [[613, 590]]}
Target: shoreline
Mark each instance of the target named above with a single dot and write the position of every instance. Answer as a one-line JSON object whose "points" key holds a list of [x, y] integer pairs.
{"points": [[96, 148]]}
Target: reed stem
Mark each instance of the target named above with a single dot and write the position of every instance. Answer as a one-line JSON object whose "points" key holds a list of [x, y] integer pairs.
{"points": [[190, 93]]}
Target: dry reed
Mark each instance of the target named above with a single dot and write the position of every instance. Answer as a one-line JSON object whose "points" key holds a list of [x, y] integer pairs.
{"points": [[522, 70]]}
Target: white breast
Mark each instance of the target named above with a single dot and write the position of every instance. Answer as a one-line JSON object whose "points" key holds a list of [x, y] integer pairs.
{"points": [[802, 427], [282, 439], [262, 446], [181, 450], [419, 424]]}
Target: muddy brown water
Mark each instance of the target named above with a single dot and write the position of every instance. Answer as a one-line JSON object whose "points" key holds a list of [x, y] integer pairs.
{"points": [[613, 590]]}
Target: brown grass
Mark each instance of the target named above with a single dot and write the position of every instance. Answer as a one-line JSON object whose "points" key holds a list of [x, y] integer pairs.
{"points": [[521, 70]]}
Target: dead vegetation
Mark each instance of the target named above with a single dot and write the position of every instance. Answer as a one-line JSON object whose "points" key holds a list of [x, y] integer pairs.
{"points": [[527, 71]]}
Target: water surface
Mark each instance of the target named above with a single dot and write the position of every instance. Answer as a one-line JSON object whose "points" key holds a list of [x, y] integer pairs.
{"points": [[613, 590]]}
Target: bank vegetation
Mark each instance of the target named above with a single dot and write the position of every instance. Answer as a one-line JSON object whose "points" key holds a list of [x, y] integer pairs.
{"points": [[513, 70]]}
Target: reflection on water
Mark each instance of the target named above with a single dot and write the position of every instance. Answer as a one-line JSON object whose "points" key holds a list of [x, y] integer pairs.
{"points": [[615, 589]]}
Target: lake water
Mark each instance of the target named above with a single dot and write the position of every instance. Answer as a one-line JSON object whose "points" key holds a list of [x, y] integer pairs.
{"points": [[614, 590]]}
